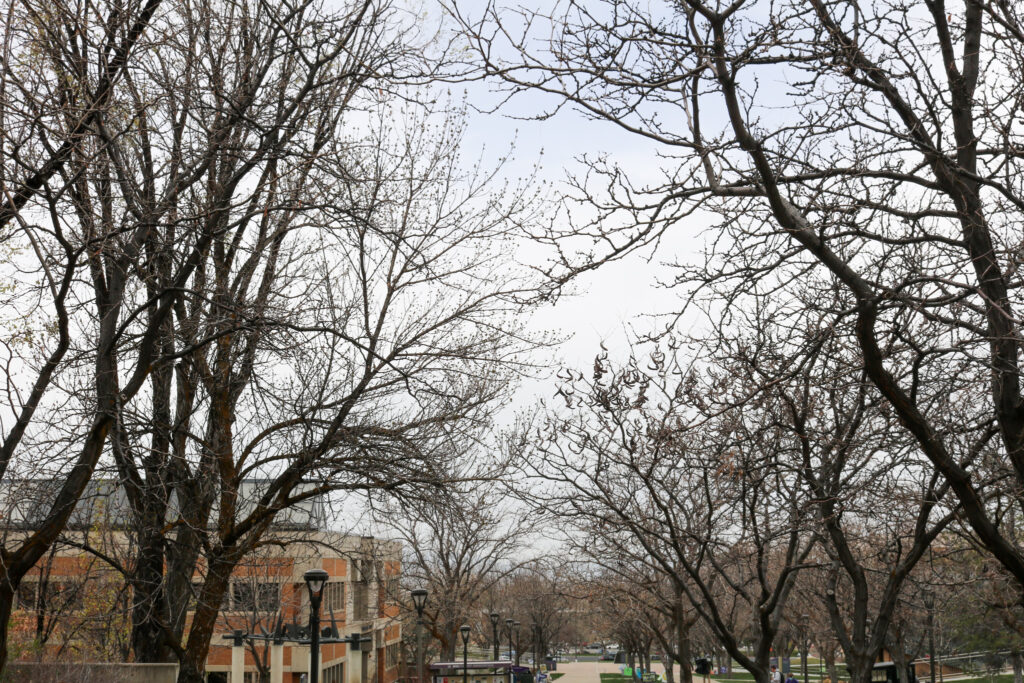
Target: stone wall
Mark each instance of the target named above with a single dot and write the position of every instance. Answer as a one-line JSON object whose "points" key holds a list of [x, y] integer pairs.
{"points": [[88, 672]]}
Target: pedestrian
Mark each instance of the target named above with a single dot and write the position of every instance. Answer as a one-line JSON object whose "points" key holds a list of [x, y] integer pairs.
{"points": [[792, 678], [776, 675]]}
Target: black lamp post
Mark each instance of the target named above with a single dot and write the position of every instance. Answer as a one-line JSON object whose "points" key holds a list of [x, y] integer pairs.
{"points": [[929, 604], [804, 645], [419, 601], [508, 626], [464, 630], [515, 627], [494, 625], [315, 580]]}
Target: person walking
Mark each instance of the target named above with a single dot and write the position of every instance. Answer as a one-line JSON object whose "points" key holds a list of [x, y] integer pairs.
{"points": [[775, 676]]}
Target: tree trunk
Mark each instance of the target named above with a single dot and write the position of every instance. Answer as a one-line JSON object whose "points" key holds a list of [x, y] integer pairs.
{"points": [[899, 657], [829, 655], [1018, 666], [182, 556], [684, 654], [448, 645], [148, 640], [7, 593], [204, 621], [860, 669], [149, 494]]}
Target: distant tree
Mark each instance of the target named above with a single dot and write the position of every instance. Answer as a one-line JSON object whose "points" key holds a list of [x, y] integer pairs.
{"points": [[459, 547], [543, 597], [712, 505]]}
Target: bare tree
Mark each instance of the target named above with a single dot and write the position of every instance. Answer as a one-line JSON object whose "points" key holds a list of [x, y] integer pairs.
{"points": [[257, 267], [82, 333], [460, 547], [711, 504], [660, 606], [876, 183], [47, 126], [543, 596], [879, 504], [278, 82]]}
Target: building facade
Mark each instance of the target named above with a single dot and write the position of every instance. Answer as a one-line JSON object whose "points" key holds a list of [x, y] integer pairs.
{"points": [[73, 606], [359, 598]]}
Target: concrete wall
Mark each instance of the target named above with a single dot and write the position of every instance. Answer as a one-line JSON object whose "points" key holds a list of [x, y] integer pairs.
{"points": [[33, 672]]}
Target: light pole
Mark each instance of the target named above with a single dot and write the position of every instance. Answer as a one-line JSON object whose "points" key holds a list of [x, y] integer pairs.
{"points": [[929, 604], [464, 630], [494, 625], [315, 580], [419, 601], [515, 627], [508, 626], [804, 618]]}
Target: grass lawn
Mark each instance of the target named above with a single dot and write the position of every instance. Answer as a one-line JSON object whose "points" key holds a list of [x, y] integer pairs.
{"points": [[743, 676], [1001, 678], [616, 678], [558, 674]]}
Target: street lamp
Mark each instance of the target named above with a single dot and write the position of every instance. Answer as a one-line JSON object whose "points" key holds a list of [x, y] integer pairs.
{"points": [[804, 646], [419, 601], [494, 624], [508, 625], [464, 629], [929, 604], [315, 580], [515, 627]]}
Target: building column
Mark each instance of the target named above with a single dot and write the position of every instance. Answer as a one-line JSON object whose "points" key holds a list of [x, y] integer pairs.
{"points": [[237, 660], [276, 662]]}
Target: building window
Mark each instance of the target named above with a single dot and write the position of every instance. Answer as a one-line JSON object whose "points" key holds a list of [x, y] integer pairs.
{"points": [[334, 598], [27, 595], [391, 654], [334, 674], [255, 597], [62, 596], [393, 589], [197, 590]]}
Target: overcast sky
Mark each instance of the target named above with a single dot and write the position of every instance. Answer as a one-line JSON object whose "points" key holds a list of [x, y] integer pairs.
{"points": [[602, 305]]}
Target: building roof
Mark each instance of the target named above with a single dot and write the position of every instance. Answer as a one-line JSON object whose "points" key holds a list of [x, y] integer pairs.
{"points": [[24, 504]]}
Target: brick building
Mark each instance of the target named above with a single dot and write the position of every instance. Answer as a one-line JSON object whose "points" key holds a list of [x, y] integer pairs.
{"points": [[79, 608]]}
